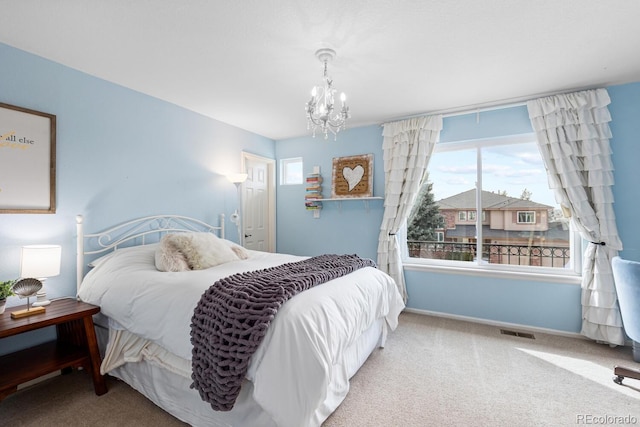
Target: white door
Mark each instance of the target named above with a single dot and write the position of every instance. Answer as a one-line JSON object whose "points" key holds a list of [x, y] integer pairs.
{"points": [[258, 200]]}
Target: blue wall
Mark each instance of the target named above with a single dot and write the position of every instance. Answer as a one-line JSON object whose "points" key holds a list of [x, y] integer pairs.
{"points": [[120, 154], [625, 144], [486, 124], [526, 302], [343, 227]]}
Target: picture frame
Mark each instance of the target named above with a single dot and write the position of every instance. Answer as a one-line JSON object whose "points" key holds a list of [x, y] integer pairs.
{"points": [[27, 161], [352, 177]]}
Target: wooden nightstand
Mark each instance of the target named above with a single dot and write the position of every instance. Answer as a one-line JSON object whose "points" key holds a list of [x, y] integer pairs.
{"points": [[75, 346]]}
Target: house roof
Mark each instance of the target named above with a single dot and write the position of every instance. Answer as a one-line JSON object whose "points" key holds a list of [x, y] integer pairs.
{"points": [[490, 201]]}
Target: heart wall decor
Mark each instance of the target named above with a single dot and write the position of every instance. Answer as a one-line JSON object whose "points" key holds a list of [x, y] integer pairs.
{"points": [[352, 176]]}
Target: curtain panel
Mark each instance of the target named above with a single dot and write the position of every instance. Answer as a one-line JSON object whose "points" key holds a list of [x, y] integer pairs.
{"points": [[407, 146], [573, 136]]}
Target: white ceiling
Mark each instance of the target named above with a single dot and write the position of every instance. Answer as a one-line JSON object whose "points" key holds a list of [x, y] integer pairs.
{"points": [[251, 63]]}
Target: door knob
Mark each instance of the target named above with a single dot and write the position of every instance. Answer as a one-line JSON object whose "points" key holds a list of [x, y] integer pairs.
{"points": [[247, 235]]}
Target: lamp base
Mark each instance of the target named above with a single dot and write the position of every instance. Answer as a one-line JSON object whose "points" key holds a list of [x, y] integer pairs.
{"points": [[41, 300]]}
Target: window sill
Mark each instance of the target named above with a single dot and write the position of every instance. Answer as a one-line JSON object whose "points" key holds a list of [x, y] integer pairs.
{"points": [[568, 278]]}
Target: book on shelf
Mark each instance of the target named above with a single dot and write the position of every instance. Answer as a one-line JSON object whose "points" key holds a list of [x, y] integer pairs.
{"points": [[313, 192]]}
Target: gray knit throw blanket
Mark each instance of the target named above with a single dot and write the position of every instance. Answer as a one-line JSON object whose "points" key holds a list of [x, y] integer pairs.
{"points": [[232, 317]]}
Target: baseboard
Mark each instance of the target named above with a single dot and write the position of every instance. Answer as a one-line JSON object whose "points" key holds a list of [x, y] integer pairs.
{"points": [[504, 325]]}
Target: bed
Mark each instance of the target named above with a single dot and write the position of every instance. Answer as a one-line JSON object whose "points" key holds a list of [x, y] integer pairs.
{"points": [[300, 371]]}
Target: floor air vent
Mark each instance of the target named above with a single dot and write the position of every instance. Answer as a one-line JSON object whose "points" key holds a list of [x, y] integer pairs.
{"points": [[517, 334]]}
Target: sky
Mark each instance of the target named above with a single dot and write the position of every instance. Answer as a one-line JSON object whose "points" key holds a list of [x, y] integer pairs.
{"points": [[510, 168]]}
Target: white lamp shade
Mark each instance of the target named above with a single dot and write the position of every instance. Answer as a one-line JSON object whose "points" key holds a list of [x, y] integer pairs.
{"points": [[237, 178], [40, 261]]}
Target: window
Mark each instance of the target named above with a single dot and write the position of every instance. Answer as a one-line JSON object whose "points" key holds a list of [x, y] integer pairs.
{"points": [[291, 171], [526, 217], [521, 227]]}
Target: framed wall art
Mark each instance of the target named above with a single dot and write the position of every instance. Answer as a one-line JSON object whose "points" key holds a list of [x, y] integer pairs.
{"points": [[27, 160], [352, 176]]}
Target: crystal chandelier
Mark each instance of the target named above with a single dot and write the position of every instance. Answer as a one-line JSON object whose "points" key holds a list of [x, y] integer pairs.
{"points": [[320, 108]]}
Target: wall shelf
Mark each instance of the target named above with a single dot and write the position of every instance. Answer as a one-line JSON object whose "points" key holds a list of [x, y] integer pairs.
{"points": [[364, 200], [340, 199], [313, 197]]}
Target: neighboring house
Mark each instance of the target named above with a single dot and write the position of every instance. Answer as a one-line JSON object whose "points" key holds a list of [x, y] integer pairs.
{"points": [[514, 231]]}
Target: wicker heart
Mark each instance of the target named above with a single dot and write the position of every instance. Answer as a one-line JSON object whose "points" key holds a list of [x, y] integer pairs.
{"points": [[353, 176]]}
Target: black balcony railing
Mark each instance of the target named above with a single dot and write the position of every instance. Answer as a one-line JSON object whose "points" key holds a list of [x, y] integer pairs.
{"points": [[541, 256]]}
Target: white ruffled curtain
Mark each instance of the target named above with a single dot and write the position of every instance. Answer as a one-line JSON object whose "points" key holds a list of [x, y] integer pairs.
{"points": [[573, 135], [407, 146]]}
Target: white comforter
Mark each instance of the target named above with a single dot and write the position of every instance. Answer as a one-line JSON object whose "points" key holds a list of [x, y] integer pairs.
{"points": [[305, 340]]}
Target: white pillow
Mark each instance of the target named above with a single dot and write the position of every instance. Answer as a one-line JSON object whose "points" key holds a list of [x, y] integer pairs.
{"points": [[129, 250], [169, 257], [200, 250], [96, 262], [239, 250]]}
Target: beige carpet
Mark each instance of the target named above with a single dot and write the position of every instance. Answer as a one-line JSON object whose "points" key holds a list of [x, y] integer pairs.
{"points": [[433, 372]]}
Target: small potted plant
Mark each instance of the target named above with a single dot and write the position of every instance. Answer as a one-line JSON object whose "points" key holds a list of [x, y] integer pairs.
{"points": [[6, 290]]}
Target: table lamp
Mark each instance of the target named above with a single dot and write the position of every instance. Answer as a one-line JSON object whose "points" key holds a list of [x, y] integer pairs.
{"points": [[40, 262]]}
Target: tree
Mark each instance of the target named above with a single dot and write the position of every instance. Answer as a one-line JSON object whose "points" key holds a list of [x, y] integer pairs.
{"points": [[526, 194], [425, 216]]}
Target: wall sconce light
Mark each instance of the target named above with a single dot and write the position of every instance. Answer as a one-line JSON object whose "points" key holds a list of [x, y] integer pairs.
{"points": [[40, 262], [238, 179]]}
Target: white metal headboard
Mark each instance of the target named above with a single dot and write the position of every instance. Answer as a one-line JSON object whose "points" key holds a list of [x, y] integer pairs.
{"points": [[134, 233]]}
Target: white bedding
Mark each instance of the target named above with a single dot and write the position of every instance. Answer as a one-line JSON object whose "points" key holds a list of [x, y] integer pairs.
{"points": [[298, 359]]}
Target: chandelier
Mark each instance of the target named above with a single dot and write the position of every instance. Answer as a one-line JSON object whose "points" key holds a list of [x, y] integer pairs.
{"points": [[320, 108]]}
